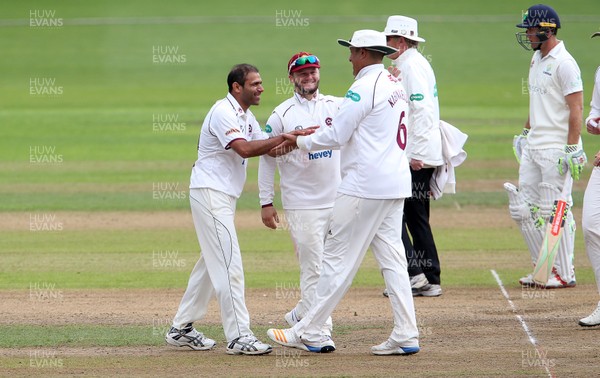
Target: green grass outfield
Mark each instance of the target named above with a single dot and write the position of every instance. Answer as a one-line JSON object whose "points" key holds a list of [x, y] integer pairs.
{"points": [[100, 149]]}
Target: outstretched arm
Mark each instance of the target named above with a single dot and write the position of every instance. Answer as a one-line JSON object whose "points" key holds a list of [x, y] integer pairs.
{"points": [[247, 149]]}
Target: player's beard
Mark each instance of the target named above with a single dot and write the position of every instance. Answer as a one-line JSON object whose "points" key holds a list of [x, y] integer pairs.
{"points": [[304, 91], [535, 45]]}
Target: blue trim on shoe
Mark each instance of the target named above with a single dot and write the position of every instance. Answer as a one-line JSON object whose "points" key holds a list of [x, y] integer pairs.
{"points": [[410, 350], [323, 349]]}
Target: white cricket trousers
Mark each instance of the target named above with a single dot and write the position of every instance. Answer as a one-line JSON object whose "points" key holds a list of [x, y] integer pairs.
{"points": [[358, 223], [591, 222], [308, 229], [219, 270]]}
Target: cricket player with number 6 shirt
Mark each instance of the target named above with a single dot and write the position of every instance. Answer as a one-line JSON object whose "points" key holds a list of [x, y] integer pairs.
{"points": [[370, 130], [549, 146]]}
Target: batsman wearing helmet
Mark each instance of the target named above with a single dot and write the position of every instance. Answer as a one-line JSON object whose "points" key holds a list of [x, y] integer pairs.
{"points": [[549, 146], [591, 201]]}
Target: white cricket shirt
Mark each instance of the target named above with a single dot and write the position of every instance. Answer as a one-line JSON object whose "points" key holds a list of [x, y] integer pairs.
{"points": [[370, 129], [218, 166], [595, 103], [550, 80], [308, 180], [424, 135]]}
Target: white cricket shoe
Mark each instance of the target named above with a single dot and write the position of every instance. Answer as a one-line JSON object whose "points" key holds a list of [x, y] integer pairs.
{"points": [[555, 282], [389, 347], [430, 290], [287, 337], [248, 344], [189, 337], [292, 318], [527, 281], [419, 281], [592, 320]]}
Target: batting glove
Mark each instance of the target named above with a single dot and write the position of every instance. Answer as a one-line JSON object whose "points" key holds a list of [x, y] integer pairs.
{"points": [[574, 160], [519, 143]]}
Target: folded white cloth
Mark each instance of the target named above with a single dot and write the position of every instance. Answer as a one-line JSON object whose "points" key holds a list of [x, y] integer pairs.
{"points": [[443, 179]]}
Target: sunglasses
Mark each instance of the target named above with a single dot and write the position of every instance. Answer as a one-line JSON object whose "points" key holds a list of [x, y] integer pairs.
{"points": [[308, 59]]}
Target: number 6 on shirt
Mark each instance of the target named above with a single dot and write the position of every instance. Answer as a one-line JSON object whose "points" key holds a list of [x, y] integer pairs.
{"points": [[401, 137]]}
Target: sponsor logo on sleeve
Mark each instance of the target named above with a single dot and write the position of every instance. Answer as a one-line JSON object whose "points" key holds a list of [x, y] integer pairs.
{"points": [[328, 121], [416, 97], [232, 131], [353, 96], [268, 129]]}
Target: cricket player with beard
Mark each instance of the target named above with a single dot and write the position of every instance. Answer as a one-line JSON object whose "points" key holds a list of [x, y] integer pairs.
{"points": [[230, 135], [370, 130], [549, 146], [591, 201], [309, 180]]}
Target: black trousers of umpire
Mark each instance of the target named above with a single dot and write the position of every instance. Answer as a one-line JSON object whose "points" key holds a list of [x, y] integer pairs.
{"points": [[421, 253]]}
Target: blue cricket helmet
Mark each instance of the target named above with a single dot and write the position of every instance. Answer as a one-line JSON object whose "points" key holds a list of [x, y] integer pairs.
{"points": [[540, 15]]}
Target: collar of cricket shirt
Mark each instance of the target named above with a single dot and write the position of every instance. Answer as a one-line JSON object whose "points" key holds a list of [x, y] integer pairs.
{"points": [[303, 100], [236, 106], [556, 50], [405, 55], [371, 68]]}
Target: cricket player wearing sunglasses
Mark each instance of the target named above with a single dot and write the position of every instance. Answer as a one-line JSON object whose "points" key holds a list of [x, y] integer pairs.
{"points": [[308, 180]]}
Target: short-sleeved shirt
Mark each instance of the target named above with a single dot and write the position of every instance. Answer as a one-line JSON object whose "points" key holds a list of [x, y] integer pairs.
{"points": [[218, 166], [551, 78], [309, 180]]}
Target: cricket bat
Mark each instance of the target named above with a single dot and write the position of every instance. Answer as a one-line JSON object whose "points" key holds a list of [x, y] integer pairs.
{"points": [[554, 230]]}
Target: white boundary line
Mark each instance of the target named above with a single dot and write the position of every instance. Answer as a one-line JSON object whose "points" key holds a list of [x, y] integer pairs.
{"points": [[532, 339]]}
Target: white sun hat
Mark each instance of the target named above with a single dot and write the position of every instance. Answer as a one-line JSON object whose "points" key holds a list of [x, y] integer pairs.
{"points": [[370, 40], [404, 27]]}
